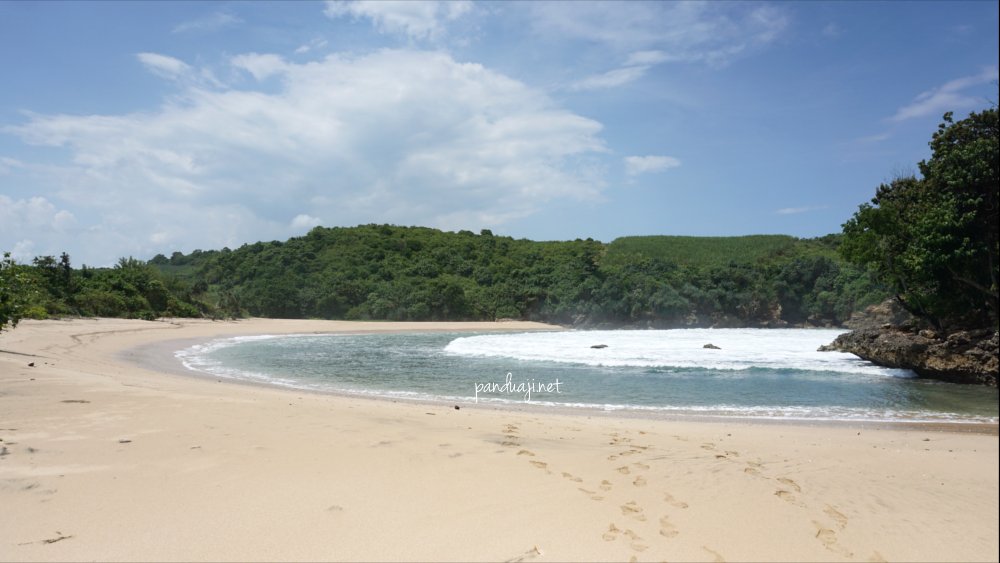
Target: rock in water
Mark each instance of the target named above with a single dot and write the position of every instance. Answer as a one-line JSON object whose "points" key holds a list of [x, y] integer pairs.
{"points": [[961, 357], [599, 346], [711, 346]]}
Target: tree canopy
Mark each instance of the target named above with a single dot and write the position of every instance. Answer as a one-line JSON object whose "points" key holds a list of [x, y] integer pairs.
{"points": [[414, 273], [933, 240]]}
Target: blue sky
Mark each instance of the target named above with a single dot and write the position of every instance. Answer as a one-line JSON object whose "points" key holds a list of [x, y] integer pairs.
{"points": [[131, 129]]}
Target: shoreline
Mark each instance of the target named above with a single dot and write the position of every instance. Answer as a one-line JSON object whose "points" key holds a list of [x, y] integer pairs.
{"points": [[105, 459], [160, 356]]}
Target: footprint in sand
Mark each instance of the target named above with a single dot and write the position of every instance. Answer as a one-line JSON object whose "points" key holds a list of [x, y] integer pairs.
{"points": [[593, 494], [790, 483], [718, 556], [571, 477], [667, 529], [605, 485], [612, 457], [640, 465], [526, 556], [540, 464], [837, 516], [787, 496], [669, 499], [732, 453], [635, 543], [708, 446], [828, 538], [640, 481], [624, 470], [526, 452], [632, 510]]}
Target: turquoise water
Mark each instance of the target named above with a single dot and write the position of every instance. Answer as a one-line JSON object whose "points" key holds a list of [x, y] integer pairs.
{"points": [[757, 372]]}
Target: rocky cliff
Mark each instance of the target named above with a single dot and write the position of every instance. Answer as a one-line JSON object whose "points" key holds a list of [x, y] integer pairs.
{"points": [[960, 357]]}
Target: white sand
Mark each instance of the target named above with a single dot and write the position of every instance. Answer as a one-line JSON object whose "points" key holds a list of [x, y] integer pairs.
{"points": [[104, 460]]}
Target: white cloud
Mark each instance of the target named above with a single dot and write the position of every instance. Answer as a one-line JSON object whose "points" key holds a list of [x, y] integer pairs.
{"points": [[417, 19], [303, 222], [313, 44], [34, 212], [635, 165], [611, 79], [177, 70], [797, 210], [648, 58], [8, 164], [208, 23], [164, 66], [947, 97], [260, 66], [636, 66], [397, 136], [710, 32]]}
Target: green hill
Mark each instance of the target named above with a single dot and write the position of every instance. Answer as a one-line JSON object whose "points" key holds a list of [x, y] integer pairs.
{"points": [[703, 251], [416, 273]]}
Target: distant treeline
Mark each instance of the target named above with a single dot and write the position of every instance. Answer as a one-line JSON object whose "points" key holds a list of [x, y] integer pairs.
{"points": [[387, 272]]}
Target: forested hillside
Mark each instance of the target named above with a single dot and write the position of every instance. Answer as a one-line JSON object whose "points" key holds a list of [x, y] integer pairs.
{"points": [[413, 273]]}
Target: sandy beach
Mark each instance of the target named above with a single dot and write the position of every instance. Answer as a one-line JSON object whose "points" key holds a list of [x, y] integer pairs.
{"points": [[110, 452]]}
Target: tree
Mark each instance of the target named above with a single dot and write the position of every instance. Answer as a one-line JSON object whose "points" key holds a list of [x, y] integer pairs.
{"points": [[14, 292], [933, 240]]}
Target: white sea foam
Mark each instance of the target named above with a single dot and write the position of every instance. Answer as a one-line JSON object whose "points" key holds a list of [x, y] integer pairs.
{"points": [[740, 349]]}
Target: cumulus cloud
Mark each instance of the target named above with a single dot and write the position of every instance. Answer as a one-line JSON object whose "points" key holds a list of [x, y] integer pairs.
{"points": [[303, 222], [417, 19], [947, 97], [33, 212], [635, 165], [31, 224], [395, 136]]}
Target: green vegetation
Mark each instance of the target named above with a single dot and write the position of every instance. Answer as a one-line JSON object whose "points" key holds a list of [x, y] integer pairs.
{"points": [[386, 272], [15, 290], [133, 289], [933, 240], [703, 251]]}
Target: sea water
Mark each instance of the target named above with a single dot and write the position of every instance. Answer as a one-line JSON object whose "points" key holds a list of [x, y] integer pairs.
{"points": [[772, 373]]}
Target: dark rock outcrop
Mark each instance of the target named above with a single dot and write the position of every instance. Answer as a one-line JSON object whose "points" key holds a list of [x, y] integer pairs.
{"points": [[599, 346], [960, 357], [888, 312], [711, 346]]}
